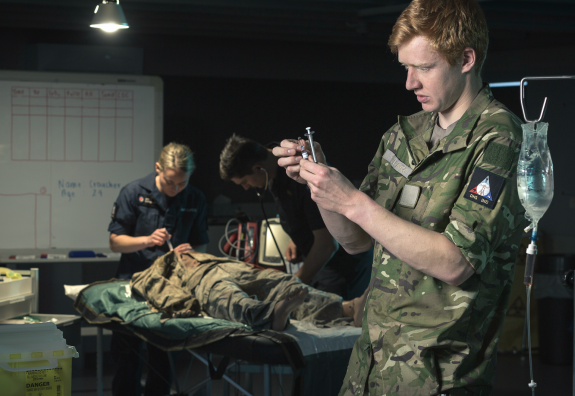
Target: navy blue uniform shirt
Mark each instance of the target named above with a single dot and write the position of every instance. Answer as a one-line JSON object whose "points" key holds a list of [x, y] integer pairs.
{"points": [[300, 217], [299, 214], [141, 209]]}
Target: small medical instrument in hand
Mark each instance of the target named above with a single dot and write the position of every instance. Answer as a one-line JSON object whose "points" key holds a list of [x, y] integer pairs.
{"points": [[168, 241], [304, 153], [535, 188], [309, 135]]}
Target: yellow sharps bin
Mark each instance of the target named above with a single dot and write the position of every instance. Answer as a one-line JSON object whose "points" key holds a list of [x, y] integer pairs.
{"points": [[35, 361]]}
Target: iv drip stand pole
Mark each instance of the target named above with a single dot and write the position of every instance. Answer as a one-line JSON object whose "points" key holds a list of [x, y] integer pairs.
{"points": [[530, 262], [522, 95]]}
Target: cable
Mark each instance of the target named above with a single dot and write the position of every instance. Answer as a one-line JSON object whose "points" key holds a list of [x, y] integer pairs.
{"points": [[235, 244], [232, 244], [532, 384], [272, 234], [261, 199], [266, 186], [528, 281]]}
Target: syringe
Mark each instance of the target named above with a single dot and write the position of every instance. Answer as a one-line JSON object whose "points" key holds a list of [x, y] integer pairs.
{"points": [[308, 134], [168, 241]]}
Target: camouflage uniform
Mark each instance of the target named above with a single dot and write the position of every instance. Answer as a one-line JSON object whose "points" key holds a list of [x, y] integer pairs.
{"points": [[238, 292], [230, 289], [421, 336]]}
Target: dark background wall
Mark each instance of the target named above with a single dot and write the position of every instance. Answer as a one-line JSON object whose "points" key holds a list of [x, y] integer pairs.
{"points": [[270, 86], [348, 94]]}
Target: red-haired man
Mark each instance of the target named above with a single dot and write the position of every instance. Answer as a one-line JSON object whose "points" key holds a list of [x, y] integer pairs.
{"points": [[444, 251]]}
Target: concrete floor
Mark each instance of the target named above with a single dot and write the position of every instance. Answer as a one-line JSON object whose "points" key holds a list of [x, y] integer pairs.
{"points": [[512, 378]]}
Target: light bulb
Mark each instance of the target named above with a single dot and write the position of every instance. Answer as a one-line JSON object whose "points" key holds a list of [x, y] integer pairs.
{"points": [[109, 17], [109, 27]]}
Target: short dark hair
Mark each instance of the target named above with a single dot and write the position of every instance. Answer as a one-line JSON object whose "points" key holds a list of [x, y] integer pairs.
{"points": [[239, 156]]}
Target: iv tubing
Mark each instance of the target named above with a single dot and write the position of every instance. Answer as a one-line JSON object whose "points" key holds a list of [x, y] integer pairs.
{"points": [[532, 384], [528, 281], [530, 259]]}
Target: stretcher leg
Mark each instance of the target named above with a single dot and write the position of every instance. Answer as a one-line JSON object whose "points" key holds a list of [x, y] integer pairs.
{"points": [[249, 381], [99, 362], [225, 377], [267, 382], [174, 373], [208, 387], [226, 389]]}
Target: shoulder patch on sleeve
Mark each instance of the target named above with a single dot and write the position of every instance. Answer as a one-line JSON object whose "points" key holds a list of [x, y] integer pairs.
{"points": [[484, 188], [499, 155], [114, 210]]}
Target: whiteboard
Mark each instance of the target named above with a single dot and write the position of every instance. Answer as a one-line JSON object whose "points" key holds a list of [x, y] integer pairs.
{"points": [[68, 144]]}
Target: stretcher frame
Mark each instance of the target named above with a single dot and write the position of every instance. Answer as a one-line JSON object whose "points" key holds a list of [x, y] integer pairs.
{"points": [[219, 373], [259, 349]]}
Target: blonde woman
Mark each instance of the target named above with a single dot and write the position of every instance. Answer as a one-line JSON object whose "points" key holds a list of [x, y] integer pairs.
{"points": [[153, 215]]}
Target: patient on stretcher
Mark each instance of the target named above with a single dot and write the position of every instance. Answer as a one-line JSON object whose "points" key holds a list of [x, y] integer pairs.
{"points": [[192, 284]]}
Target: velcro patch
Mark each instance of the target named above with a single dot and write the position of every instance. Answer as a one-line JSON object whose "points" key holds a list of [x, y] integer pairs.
{"points": [[409, 196], [484, 188], [114, 210], [499, 155]]}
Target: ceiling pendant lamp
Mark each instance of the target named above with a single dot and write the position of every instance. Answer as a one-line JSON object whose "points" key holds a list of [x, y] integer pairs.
{"points": [[109, 17]]}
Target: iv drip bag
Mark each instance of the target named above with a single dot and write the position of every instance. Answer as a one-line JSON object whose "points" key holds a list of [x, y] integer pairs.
{"points": [[535, 171]]}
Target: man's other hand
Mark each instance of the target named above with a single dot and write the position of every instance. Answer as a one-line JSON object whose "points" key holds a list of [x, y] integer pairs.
{"points": [[289, 154], [291, 251], [330, 189]]}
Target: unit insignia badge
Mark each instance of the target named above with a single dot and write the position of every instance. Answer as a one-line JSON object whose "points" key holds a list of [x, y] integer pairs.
{"points": [[484, 188]]}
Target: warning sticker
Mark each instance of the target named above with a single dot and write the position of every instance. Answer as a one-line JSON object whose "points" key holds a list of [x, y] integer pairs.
{"points": [[44, 382]]}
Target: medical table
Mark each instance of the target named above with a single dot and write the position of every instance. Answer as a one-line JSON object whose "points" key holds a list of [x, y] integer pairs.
{"points": [[317, 358]]}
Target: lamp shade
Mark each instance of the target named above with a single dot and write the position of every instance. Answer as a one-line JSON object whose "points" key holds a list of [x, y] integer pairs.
{"points": [[109, 17]]}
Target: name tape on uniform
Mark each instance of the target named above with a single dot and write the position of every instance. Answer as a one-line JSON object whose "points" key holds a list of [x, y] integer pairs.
{"points": [[396, 163], [146, 200]]}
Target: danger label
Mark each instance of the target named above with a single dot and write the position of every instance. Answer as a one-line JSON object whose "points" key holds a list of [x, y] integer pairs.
{"points": [[44, 382]]}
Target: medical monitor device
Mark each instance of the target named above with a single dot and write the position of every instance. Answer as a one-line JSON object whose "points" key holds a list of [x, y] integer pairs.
{"points": [[268, 254]]}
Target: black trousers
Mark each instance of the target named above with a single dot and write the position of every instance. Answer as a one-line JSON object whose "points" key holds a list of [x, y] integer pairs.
{"points": [[126, 382], [345, 275]]}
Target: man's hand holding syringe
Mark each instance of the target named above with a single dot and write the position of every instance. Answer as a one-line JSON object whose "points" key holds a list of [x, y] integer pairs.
{"points": [[332, 191]]}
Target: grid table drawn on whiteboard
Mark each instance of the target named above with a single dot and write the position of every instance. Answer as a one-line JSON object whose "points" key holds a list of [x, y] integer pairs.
{"points": [[72, 124], [68, 146]]}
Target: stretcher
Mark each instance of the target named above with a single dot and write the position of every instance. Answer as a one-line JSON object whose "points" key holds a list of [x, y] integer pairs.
{"points": [[316, 358]]}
